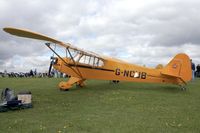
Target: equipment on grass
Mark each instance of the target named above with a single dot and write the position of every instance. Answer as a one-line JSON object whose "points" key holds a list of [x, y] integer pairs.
{"points": [[11, 102]]}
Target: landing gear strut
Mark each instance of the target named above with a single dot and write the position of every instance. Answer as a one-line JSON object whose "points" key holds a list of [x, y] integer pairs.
{"points": [[72, 80]]}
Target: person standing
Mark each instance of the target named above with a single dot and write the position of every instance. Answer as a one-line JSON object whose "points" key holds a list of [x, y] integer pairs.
{"points": [[198, 70], [31, 73], [193, 69]]}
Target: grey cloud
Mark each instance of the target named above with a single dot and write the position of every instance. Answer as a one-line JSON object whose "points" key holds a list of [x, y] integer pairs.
{"points": [[172, 23], [143, 32]]}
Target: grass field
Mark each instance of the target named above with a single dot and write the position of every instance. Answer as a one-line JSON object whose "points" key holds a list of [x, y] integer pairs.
{"points": [[101, 107]]}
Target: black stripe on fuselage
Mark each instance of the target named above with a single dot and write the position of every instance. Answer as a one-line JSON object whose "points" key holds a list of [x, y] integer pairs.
{"points": [[90, 67]]}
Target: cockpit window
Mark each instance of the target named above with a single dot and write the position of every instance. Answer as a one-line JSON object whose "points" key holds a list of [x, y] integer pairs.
{"points": [[82, 59], [91, 60], [96, 61], [87, 59], [101, 63], [73, 53], [77, 57]]}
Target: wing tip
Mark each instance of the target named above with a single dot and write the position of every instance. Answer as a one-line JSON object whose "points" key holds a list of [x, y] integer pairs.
{"points": [[10, 29], [6, 29]]}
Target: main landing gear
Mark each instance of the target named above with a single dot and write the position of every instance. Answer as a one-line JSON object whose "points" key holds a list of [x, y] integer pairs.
{"points": [[73, 80]]}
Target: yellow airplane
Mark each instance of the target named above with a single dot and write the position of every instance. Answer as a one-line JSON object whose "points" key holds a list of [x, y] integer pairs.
{"points": [[82, 65]]}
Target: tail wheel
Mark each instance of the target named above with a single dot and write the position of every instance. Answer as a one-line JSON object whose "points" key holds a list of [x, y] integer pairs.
{"points": [[183, 88]]}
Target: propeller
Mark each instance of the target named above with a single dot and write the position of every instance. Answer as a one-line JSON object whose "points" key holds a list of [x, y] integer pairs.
{"points": [[50, 66], [53, 60]]}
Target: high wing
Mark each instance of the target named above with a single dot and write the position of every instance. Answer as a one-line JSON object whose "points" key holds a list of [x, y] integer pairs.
{"points": [[29, 34]]}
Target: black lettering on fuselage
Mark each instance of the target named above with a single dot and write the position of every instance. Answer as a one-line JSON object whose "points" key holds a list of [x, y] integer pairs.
{"points": [[131, 73], [126, 73], [117, 72], [143, 75]]}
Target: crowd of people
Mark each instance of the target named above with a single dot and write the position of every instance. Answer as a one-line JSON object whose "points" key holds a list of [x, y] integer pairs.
{"points": [[195, 70], [33, 73]]}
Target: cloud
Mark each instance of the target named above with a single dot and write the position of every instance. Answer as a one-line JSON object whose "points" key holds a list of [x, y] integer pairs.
{"points": [[172, 23], [139, 31]]}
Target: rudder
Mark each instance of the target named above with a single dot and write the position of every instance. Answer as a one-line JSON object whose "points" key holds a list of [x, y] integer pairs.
{"points": [[180, 67]]}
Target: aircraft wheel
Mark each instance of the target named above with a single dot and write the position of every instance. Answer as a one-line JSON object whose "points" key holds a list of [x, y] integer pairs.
{"points": [[183, 88], [115, 81], [64, 89], [79, 86]]}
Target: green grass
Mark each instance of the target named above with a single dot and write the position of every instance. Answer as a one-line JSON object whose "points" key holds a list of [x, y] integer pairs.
{"points": [[101, 107]]}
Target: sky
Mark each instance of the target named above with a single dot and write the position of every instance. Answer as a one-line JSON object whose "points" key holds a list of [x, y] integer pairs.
{"points": [[138, 31]]}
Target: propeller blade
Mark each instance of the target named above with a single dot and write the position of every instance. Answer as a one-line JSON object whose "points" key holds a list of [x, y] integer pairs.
{"points": [[50, 67]]}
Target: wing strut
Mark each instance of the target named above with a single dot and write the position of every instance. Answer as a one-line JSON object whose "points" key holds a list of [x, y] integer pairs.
{"points": [[74, 62], [78, 73]]}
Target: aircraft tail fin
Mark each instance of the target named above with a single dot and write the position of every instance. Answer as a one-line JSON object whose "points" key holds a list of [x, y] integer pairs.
{"points": [[180, 67]]}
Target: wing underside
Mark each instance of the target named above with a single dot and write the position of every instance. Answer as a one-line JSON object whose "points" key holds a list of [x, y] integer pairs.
{"points": [[33, 35]]}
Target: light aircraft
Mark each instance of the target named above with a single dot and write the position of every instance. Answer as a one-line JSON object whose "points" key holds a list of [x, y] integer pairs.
{"points": [[82, 65]]}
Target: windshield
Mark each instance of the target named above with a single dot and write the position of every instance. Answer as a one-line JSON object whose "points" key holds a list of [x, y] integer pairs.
{"points": [[83, 58]]}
